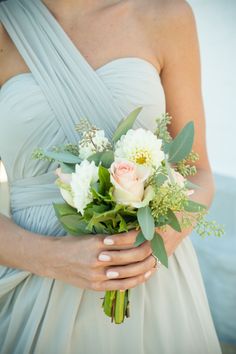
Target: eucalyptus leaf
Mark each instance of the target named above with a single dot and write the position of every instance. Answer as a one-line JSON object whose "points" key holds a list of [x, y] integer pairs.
{"points": [[173, 221], [139, 239], [65, 157], [126, 124], [96, 158], [146, 222], [181, 146], [107, 158], [67, 167], [166, 147], [159, 250], [160, 178], [194, 207]]}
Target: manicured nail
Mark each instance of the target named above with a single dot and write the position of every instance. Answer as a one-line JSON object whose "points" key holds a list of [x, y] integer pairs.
{"points": [[112, 274], [108, 241], [104, 257], [147, 275]]}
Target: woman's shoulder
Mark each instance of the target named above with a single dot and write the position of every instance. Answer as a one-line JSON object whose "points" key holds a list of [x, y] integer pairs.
{"points": [[167, 22], [168, 13]]}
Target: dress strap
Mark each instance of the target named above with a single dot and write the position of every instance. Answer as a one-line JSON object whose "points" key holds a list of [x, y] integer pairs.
{"points": [[72, 87]]}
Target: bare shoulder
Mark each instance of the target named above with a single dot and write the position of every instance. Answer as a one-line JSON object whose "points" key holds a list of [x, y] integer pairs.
{"points": [[169, 22], [167, 11]]}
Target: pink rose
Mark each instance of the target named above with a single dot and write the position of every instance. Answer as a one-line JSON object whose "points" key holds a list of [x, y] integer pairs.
{"points": [[180, 180], [129, 182], [64, 177], [63, 182]]}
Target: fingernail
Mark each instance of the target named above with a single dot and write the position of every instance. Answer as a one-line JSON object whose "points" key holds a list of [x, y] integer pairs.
{"points": [[112, 274], [104, 257], [147, 275], [108, 241]]}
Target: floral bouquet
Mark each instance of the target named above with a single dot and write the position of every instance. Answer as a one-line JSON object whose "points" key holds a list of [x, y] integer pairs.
{"points": [[135, 181]]}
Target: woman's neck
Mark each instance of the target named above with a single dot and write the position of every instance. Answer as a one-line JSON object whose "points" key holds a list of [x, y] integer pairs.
{"points": [[68, 7]]}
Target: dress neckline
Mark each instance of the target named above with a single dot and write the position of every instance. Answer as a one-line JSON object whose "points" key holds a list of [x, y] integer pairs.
{"points": [[134, 60]]}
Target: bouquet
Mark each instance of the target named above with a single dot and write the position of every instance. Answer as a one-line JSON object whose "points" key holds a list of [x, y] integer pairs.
{"points": [[138, 180]]}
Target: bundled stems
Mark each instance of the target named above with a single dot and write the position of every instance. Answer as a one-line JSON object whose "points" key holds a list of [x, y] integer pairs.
{"points": [[116, 305]]}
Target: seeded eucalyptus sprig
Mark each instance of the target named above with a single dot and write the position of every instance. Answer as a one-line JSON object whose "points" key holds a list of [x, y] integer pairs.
{"points": [[39, 154], [162, 128], [186, 167]]}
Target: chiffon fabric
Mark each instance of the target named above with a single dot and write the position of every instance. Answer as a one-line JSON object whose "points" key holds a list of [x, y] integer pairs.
{"points": [[169, 313]]}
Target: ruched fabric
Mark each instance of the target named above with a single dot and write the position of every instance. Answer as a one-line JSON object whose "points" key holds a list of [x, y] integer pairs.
{"points": [[169, 313]]}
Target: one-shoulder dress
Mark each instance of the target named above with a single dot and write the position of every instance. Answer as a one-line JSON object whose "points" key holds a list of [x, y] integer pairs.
{"points": [[169, 312]]}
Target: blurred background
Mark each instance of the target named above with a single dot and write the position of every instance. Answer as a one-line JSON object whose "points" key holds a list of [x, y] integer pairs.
{"points": [[217, 257]]}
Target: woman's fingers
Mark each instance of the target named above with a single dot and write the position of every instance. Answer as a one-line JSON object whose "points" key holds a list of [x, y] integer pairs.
{"points": [[131, 270], [125, 256], [122, 284], [123, 240]]}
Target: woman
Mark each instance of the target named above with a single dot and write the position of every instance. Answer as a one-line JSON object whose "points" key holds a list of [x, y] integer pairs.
{"points": [[61, 60]]}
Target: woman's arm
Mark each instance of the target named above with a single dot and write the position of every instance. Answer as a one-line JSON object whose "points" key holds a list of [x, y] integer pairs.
{"points": [[181, 79]]}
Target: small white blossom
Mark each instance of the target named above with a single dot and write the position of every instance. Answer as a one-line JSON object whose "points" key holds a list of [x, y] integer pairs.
{"points": [[93, 141], [85, 174]]}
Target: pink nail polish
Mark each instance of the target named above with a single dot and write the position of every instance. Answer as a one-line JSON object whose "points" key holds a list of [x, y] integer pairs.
{"points": [[108, 241], [104, 257], [147, 275], [111, 274]]}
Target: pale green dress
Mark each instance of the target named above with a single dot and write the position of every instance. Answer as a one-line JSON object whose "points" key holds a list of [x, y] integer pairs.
{"points": [[169, 313]]}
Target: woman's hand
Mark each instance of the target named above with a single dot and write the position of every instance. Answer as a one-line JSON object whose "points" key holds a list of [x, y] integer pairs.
{"points": [[100, 263]]}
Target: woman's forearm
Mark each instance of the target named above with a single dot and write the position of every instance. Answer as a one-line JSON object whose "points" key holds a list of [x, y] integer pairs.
{"points": [[22, 249], [205, 193]]}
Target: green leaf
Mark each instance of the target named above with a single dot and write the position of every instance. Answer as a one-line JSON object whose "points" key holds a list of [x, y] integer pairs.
{"points": [[105, 158], [95, 157], [173, 221], [122, 224], [160, 179], [64, 209], [101, 208], [181, 146], [104, 180], [67, 167], [194, 207], [166, 147], [74, 224], [99, 229], [139, 239], [126, 124], [146, 222], [65, 157], [159, 250]]}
